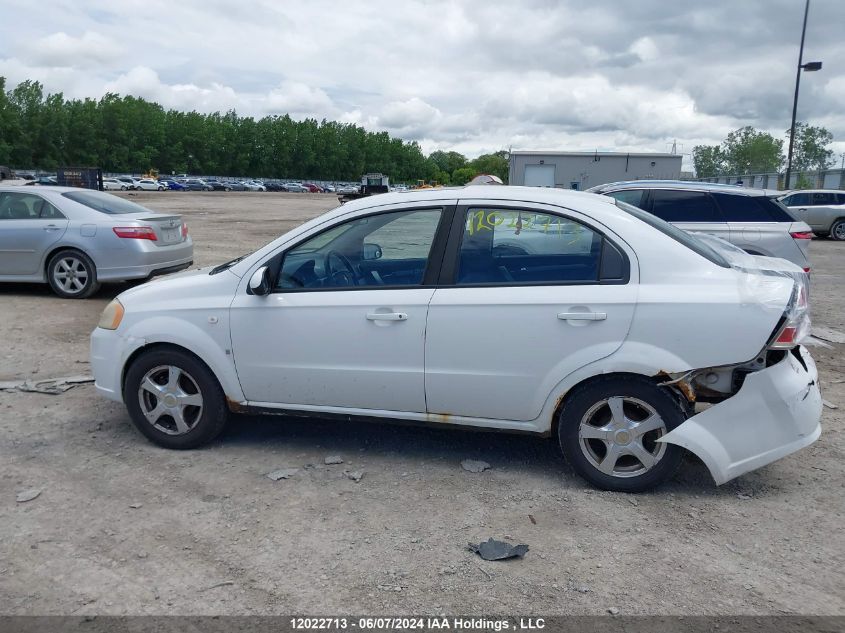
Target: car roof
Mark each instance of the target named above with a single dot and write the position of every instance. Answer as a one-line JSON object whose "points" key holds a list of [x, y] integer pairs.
{"points": [[546, 195], [813, 191], [682, 185]]}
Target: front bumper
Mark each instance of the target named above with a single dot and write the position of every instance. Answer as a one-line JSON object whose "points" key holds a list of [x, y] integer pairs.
{"points": [[109, 353], [777, 411]]}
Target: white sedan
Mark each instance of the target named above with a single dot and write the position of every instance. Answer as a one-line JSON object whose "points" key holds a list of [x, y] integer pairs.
{"points": [[112, 184], [150, 185], [552, 312]]}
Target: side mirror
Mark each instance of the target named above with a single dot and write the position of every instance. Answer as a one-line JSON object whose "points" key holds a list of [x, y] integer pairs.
{"points": [[371, 251], [259, 283]]}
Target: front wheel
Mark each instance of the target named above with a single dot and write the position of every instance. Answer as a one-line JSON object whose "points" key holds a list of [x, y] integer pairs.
{"points": [[608, 431], [174, 399], [837, 231], [72, 275]]}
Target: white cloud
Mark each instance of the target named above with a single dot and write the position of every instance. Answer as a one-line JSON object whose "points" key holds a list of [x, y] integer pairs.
{"points": [[64, 51], [474, 76]]}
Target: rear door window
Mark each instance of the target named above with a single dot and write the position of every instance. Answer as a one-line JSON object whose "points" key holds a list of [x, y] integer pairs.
{"points": [[20, 206], [684, 206], [822, 199], [512, 247]]}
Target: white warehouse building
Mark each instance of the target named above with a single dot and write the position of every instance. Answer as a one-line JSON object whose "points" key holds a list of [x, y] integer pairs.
{"points": [[582, 170]]}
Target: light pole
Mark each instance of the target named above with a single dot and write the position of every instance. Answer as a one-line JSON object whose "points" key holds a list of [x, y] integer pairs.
{"points": [[809, 67]]}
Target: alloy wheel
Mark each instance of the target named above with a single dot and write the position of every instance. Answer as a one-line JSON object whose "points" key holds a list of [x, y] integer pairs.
{"points": [[71, 275], [170, 399], [618, 436]]}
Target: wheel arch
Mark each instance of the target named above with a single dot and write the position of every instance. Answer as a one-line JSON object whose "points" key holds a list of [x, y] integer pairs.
{"points": [[655, 379], [53, 251], [227, 379]]}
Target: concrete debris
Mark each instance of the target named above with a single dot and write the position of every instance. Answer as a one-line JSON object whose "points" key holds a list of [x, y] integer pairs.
{"points": [[829, 404], [135, 506], [28, 495], [812, 341], [333, 459], [354, 475], [282, 473], [51, 386], [613, 611], [498, 550], [744, 497], [826, 334], [474, 466], [225, 583], [532, 519]]}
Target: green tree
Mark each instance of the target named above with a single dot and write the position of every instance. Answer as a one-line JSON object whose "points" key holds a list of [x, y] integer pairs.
{"points": [[811, 149], [495, 164], [748, 151], [708, 161], [463, 175]]}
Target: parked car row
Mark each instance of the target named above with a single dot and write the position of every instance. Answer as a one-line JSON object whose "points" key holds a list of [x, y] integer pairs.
{"points": [[179, 183]]}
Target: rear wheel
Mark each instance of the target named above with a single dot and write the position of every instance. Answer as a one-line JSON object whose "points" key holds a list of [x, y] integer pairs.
{"points": [[72, 275], [608, 431], [174, 399], [837, 231]]}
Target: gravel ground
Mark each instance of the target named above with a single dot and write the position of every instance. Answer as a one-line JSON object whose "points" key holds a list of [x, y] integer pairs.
{"points": [[123, 527]]}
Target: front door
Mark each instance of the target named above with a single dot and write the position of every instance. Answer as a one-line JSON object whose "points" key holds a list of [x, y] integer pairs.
{"points": [[29, 225], [528, 306], [345, 325]]}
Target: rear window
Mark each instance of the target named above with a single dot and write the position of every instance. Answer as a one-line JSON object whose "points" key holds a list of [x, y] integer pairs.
{"points": [[690, 241], [741, 208], [684, 206], [631, 196], [105, 203]]}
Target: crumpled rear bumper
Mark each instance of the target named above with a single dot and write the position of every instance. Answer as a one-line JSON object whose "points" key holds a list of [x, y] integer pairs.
{"points": [[777, 411]]}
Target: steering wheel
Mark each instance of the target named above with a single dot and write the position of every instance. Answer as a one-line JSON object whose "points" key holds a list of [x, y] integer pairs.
{"points": [[345, 274]]}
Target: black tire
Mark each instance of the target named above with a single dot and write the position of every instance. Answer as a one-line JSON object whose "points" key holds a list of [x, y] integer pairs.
{"points": [[72, 275], [837, 230], [208, 421], [635, 391]]}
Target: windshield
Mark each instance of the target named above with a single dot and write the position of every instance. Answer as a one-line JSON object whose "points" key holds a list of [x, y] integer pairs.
{"points": [[105, 203], [690, 241]]}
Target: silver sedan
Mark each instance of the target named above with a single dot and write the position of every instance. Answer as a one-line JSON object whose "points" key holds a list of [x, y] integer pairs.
{"points": [[75, 239]]}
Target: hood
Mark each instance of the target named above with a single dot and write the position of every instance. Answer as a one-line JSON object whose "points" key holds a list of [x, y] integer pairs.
{"points": [[179, 289]]}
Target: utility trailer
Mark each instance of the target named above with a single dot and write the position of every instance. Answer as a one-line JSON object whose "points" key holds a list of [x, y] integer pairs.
{"points": [[371, 184]]}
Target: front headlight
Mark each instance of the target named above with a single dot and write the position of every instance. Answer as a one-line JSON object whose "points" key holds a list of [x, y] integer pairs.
{"points": [[112, 316]]}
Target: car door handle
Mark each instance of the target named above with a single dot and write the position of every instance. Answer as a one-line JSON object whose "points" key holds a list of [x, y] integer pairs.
{"points": [[387, 316], [51, 227], [802, 209], [582, 316]]}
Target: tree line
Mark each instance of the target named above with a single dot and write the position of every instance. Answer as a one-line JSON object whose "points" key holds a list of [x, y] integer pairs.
{"points": [[132, 135], [749, 151]]}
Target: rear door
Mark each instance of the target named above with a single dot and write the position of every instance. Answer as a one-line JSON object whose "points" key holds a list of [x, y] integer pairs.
{"points": [[528, 294], [29, 226], [692, 211]]}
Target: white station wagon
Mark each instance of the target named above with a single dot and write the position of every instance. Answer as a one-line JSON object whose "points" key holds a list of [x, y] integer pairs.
{"points": [[558, 313]]}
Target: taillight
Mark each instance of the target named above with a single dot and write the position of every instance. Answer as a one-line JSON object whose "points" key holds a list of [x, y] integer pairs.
{"points": [[786, 338], [802, 235], [184, 230], [135, 232], [795, 325]]}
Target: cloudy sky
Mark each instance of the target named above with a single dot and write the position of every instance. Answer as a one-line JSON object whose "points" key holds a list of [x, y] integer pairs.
{"points": [[474, 76]]}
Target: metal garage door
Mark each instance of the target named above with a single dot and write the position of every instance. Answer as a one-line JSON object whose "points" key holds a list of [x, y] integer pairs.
{"points": [[539, 175]]}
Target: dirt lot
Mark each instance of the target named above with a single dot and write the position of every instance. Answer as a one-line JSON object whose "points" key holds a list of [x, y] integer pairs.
{"points": [[123, 527]]}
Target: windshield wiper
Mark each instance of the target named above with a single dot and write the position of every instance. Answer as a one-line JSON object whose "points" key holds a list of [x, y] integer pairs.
{"points": [[225, 266]]}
